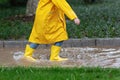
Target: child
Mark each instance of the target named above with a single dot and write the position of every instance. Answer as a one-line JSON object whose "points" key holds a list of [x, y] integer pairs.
{"points": [[50, 27]]}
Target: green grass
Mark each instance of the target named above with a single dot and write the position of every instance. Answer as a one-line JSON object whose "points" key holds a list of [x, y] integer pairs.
{"points": [[13, 29], [57, 73], [98, 20], [3, 1]]}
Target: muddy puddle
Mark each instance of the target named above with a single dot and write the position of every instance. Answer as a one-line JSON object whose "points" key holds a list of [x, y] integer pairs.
{"points": [[87, 56]]}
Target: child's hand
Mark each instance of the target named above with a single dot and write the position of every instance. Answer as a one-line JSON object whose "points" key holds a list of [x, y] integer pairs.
{"points": [[76, 21]]}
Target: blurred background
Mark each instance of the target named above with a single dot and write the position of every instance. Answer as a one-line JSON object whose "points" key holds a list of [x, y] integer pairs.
{"points": [[99, 19]]}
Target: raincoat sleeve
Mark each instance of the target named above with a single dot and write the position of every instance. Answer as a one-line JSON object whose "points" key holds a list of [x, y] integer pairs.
{"points": [[65, 7]]}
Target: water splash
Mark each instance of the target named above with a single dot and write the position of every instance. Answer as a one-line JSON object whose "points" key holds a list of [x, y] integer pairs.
{"points": [[18, 55]]}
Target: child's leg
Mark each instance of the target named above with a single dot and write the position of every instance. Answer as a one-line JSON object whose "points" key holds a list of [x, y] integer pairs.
{"points": [[29, 51], [55, 50], [34, 45], [59, 43]]}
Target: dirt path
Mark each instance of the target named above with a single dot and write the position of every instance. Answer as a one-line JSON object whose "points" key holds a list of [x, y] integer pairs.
{"points": [[103, 57]]}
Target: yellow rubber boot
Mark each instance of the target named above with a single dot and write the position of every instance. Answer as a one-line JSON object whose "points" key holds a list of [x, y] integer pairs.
{"points": [[55, 54], [28, 53]]}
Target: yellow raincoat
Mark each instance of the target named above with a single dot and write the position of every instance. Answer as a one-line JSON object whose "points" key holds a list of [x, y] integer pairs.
{"points": [[50, 25]]}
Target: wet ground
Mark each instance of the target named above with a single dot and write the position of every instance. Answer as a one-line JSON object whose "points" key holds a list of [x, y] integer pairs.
{"points": [[87, 56]]}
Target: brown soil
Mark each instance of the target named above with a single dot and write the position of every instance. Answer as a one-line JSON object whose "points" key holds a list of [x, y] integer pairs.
{"points": [[24, 18]]}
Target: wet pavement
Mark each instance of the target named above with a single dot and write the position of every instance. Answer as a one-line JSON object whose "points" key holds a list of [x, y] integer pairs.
{"points": [[79, 56]]}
